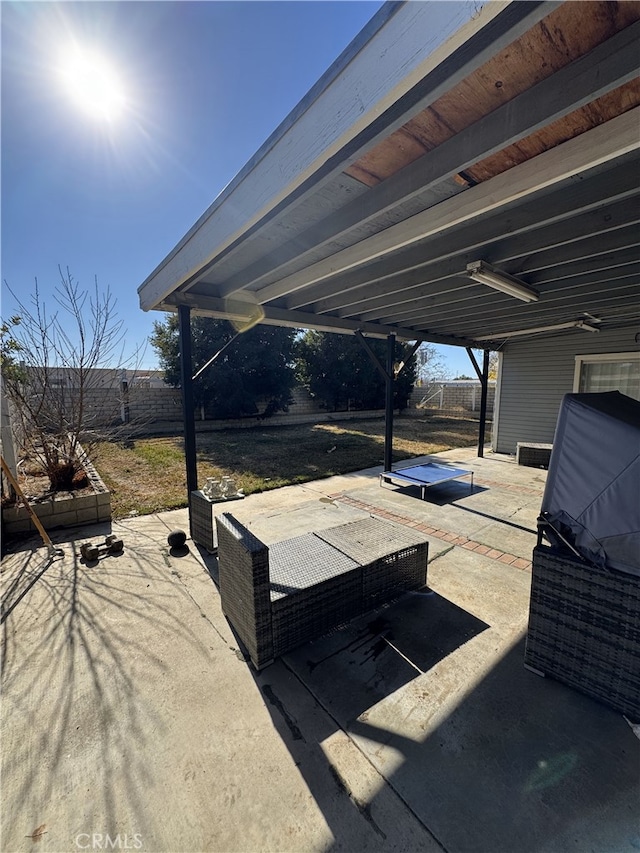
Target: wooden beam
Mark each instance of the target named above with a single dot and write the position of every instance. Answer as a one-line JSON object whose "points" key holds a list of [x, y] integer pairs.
{"points": [[593, 266], [608, 66], [389, 74], [372, 356], [473, 325], [496, 25], [455, 289], [478, 308], [595, 204], [536, 330], [475, 364], [599, 145], [408, 355]]}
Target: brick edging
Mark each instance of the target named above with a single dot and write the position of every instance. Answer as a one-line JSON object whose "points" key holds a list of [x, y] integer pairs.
{"points": [[437, 533]]}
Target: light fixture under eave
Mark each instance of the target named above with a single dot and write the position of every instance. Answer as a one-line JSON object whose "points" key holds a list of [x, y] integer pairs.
{"points": [[574, 324], [484, 273]]}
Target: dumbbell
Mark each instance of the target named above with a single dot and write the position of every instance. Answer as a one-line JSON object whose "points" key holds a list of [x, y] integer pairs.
{"points": [[112, 545]]}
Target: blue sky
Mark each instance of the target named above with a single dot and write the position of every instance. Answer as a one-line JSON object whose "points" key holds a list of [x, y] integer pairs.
{"points": [[205, 84]]}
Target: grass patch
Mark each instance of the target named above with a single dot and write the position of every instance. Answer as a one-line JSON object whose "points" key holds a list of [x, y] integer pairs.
{"points": [[147, 475]]}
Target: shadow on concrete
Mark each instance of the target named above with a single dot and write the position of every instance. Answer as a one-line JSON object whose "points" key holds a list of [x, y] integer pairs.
{"points": [[524, 764], [348, 673], [491, 758], [376, 655], [31, 570], [79, 640], [21, 542], [441, 495], [518, 763], [499, 519], [210, 563]]}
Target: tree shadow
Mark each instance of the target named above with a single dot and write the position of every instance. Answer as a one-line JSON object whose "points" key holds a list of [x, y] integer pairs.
{"points": [[79, 640], [32, 569]]}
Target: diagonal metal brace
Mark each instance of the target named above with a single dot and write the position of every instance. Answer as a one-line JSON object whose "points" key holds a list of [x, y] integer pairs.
{"points": [[409, 354], [374, 358], [476, 366]]}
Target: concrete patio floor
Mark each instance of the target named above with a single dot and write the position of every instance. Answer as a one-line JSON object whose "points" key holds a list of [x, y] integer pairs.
{"points": [[130, 719]]}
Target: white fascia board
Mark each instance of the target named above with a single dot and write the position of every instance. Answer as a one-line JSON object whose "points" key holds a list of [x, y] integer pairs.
{"points": [[409, 45]]}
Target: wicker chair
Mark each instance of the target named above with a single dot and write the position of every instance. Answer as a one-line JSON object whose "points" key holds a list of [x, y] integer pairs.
{"points": [[280, 597], [584, 628]]}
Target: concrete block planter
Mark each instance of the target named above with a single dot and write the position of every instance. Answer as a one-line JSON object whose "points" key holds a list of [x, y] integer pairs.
{"points": [[63, 509]]}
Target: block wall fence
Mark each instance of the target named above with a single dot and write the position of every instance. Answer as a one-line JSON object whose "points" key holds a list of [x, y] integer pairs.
{"points": [[154, 410], [157, 406]]}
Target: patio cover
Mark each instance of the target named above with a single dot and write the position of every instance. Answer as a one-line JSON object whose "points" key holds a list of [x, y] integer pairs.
{"points": [[593, 486], [512, 139], [443, 136]]}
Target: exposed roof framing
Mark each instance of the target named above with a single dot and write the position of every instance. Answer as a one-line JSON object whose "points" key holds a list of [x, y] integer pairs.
{"points": [[514, 142]]}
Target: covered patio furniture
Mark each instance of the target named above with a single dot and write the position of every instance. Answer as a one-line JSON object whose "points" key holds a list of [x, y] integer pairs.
{"points": [[284, 595], [584, 620]]}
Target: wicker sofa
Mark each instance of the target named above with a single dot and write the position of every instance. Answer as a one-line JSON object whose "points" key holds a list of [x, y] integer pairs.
{"points": [[584, 628], [584, 621], [279, 597]]}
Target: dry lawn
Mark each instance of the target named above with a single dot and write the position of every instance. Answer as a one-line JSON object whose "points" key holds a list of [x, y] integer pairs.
{"points": [[148, 475]]}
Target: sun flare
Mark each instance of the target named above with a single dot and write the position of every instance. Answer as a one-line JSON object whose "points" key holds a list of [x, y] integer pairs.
{"points": [[93, 84]]}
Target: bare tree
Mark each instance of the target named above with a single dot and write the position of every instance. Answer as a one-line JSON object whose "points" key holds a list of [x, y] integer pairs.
{"points": [[432, 367], [52, 366]]}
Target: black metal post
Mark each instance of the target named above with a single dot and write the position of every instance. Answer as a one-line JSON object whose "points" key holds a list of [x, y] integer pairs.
{"points": [[484, 382], [483, 376], [388, 409], [188, 414]]}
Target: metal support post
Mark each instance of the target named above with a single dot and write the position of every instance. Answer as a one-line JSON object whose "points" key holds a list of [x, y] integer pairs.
{"points": [[483, 401], [188, 414], [388, 409], [483, 376], [390, 374]]}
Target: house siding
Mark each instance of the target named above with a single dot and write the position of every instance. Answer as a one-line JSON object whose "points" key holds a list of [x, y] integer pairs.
{"points": [[537, 373]]}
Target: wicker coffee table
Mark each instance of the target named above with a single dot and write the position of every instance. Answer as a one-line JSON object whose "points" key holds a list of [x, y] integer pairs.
{"points": [[299, 589], [394, 558]]}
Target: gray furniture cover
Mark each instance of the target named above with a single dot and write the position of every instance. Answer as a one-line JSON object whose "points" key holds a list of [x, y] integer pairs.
{"points": [[592, 496]]}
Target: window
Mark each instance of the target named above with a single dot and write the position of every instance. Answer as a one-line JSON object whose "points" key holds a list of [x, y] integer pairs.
{"points": [[617, 371]]}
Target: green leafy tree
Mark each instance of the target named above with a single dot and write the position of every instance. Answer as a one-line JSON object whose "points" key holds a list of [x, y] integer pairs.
{"points": [[254, 372], [338, 372], [10, 348]]}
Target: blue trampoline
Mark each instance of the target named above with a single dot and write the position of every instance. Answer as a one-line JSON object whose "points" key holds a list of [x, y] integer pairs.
{"points": [[430, 474]]}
